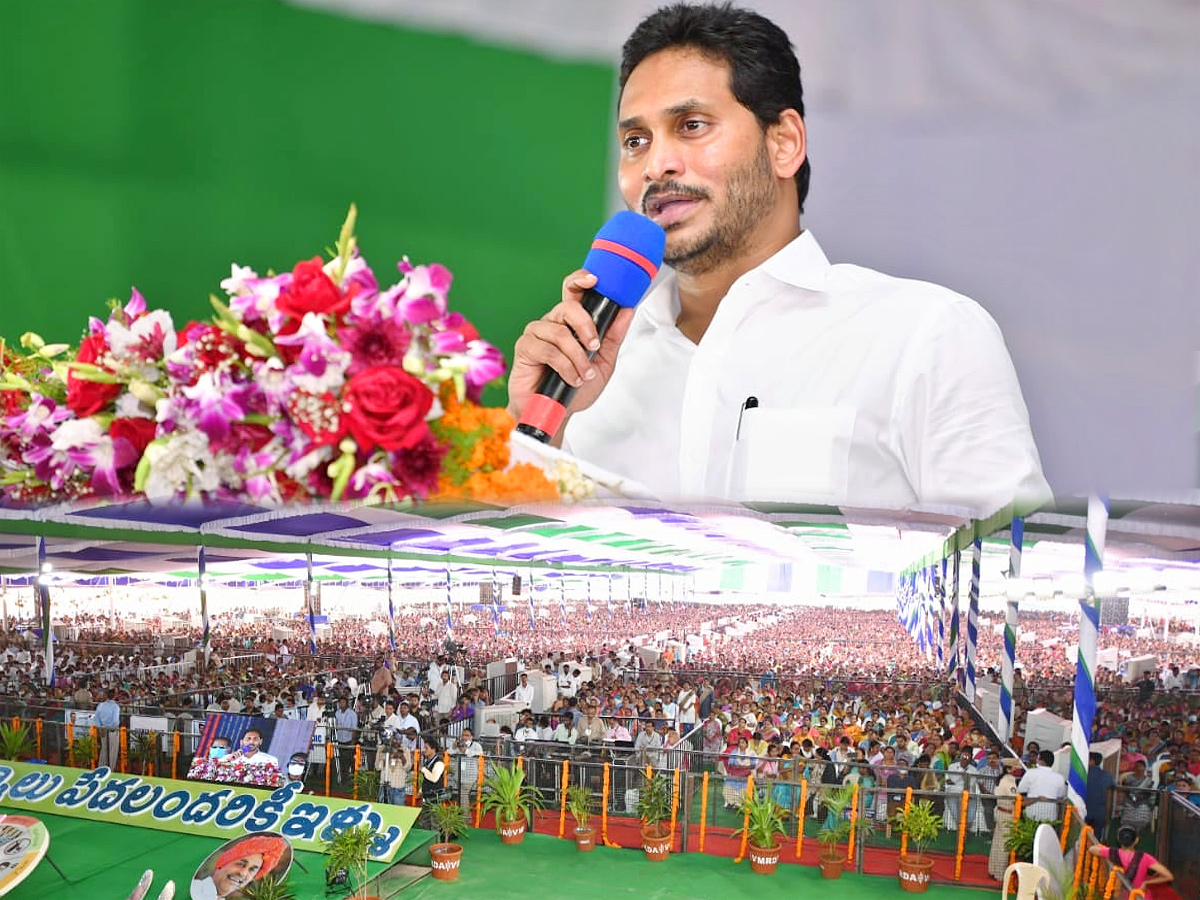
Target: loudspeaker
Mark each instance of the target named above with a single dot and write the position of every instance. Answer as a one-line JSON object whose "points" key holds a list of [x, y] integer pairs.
{"points": [[516, 588]]}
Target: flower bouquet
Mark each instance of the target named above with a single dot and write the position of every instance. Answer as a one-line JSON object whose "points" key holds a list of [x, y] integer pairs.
{"points": [[235, 771], [314, 384]]}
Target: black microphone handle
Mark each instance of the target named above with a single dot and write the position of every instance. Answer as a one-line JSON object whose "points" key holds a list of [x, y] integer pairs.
{"points": [[602, 311]]}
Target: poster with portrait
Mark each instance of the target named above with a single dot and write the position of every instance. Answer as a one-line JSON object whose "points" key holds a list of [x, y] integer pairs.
{"points": [[231, 867], [237, 749]]}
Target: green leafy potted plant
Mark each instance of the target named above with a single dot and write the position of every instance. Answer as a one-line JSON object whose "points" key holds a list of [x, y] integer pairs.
{"points": [[450, 822], [82, 751], [141, 751], [835, 830], [348, 851], [579, 805], [512, 800], [654, 809], [16, 740], [764, 826], [922, 825], [268, 888], [366, 784]]}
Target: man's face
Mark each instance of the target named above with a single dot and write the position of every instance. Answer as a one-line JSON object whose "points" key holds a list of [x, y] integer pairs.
{"points": [[236, 875], [694, 160], [254, 739]]}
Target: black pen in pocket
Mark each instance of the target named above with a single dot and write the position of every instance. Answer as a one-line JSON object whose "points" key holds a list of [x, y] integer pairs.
{"points": [[751, 403]]}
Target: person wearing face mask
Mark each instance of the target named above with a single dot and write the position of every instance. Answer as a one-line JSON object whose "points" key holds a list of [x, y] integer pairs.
{"points": [[297, 767], [219, 748]]}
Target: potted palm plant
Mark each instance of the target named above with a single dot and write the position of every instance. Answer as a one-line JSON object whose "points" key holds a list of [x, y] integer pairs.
{"points": [[512, 800], [579, 805], [764, 826], [366, 784], [82, 751], [268, 888], [16, 740], [348, 851], [835, 830], [141, 751], [450, 822], [922, 825], [654, 809]]}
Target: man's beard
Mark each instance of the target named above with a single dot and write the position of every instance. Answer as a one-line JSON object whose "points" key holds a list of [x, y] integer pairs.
{"points": [[750, 193]]}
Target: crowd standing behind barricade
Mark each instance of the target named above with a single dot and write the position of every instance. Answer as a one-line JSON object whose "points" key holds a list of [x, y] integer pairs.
{"points": [[802, 695]]}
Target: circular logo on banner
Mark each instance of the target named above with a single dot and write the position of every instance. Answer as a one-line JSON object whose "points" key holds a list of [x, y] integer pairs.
{"points": [[239, 862], [23, 842]]}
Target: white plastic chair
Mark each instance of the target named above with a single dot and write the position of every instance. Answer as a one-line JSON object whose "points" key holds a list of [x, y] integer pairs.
{"points": [[1029, 879]]}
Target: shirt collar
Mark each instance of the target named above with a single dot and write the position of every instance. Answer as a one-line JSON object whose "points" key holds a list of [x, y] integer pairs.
{"points": [[801, 263]]}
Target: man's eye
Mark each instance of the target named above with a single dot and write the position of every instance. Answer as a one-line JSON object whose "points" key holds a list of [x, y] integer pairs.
{"points": [[634, 141], [693, 125]]}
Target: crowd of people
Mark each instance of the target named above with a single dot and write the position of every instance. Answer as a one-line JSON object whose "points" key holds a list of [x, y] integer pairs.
{"points": [[781, 692]]}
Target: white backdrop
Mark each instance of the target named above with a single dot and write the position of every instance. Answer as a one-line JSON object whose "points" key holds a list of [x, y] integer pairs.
{"points": [[1042, 156]]}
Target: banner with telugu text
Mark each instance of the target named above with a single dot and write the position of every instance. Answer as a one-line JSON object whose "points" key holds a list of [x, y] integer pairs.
{"points": [[221, 811]]}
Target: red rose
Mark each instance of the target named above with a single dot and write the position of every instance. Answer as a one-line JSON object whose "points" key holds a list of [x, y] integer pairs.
{"points": [[386, 407], [86, 398], [313, 291], [139, 432]]}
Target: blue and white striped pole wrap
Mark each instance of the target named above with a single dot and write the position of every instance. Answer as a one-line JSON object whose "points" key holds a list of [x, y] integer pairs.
{"points": [[1008, 663], [449, 606], [202, 577], [532, 614], [308, 600], [42, 587], [973, 618], [391, 608], [1085, 667], [941, 617], [610, 581], [562, 597], [953, 650]]}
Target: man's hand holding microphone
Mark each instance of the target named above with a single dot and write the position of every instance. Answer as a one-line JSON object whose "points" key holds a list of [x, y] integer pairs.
{"points": [[563, 360]]}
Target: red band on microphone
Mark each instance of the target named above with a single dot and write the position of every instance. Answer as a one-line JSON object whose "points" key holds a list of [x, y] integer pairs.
{"points": [[543, 413], [632, 255]]}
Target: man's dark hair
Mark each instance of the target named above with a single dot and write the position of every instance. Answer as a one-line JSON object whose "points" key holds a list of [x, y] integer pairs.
{"points": [[1095, 758], [764, 72], [1046, 758]]}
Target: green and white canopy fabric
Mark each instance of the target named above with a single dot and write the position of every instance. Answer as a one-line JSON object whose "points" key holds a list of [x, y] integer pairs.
{"points": [[767, 548]]}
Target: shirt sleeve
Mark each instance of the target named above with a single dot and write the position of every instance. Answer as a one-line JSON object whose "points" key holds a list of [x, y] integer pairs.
{"points": [[966, 432]]}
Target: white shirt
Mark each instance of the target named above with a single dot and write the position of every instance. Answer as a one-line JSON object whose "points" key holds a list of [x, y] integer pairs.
{"points": [[1042, 781], [872, 391], [523, 695]]}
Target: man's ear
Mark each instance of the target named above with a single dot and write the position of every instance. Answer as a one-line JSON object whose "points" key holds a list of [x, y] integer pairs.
{"points": [[787, 144]]}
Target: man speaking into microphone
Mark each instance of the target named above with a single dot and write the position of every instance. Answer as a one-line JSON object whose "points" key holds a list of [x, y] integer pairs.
{"points": [[754, 369]]}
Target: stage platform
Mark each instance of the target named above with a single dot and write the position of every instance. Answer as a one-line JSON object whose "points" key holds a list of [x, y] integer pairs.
{"points": [[103, 862]]}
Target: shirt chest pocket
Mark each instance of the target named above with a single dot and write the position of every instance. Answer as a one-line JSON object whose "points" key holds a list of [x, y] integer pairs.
{"points": [[798, 454]]}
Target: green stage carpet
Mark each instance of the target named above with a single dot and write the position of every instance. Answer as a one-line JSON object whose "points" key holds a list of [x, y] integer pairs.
{"points": [[103, 862]]}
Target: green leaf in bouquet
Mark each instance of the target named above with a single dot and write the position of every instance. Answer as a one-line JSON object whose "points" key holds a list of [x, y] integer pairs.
{"points": [[342, 468], [142, 473], [146, 392], [32, 341], [257, 344], [346, 244], [89, 372]]}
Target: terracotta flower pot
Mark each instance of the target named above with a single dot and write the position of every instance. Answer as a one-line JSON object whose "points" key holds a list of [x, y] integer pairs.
{"points": [[915, 873], [445, 860], [831, 865], [763, 860], [511, 832], [585, 839], [656, 843]]}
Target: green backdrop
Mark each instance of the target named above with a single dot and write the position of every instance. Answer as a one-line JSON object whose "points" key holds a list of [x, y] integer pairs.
{"points": [[154, 142]]}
